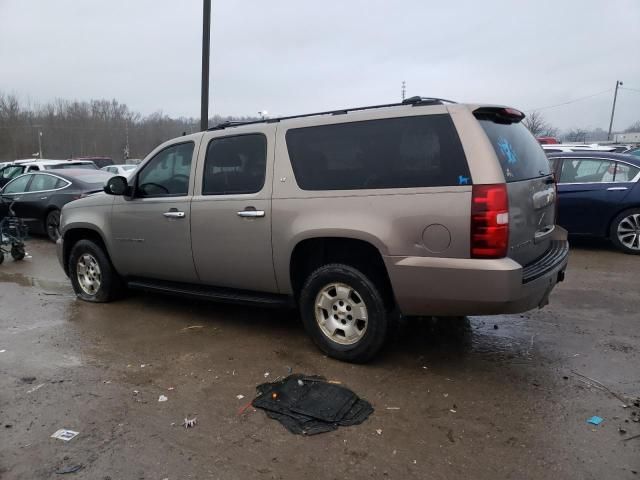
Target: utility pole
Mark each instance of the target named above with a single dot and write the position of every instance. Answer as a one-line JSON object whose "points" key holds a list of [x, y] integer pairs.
{"points": [[613, 108], [39, 144], [206, 36], [404, 90]]}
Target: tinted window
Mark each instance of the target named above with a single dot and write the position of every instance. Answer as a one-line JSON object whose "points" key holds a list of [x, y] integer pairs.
{"points": [[43, 182], [18, 185], [167, 174], [85, 166], [520, 155], [235, 165], [625, 172], [587, 170], [403, 152]]}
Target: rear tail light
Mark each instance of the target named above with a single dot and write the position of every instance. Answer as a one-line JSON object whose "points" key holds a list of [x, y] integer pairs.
{"points": [[489, 221]]}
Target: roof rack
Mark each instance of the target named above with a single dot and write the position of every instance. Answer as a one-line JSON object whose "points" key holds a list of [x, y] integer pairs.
{"points": [[413, 101]]}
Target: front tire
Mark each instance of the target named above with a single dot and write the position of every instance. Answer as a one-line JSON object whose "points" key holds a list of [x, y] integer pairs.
{"points": [[625, 231], [344, 312], [93, 277]]}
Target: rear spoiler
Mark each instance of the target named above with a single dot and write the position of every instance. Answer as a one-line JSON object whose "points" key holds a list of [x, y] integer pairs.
{"points": [[504, 115]]}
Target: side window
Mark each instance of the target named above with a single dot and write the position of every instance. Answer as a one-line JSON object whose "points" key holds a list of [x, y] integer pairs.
{"points": [[167, 174], [235, 165], [405, 152], [625, 172], [42, 182], [12, 171], [587, 170], [19, 185]]}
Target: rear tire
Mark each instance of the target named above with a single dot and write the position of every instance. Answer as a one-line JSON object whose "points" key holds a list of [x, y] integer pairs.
{"points": [[345, 313], [93, 277], [625, 231], [52, 225], [17, 252]]}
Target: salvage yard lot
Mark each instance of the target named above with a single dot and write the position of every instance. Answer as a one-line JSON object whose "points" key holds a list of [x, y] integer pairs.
{"points": [[483, 398]]}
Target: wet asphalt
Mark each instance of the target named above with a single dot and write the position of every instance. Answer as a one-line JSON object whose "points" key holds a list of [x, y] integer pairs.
{"points": [[482, 398]]}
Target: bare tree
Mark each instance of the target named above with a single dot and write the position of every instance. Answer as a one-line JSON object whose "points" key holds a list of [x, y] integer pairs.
{"points": [[576, 135], [538, 126], [634, 127]]}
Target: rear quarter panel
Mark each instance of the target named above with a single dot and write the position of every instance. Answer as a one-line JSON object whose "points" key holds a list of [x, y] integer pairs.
{"points": [[392, 220]]}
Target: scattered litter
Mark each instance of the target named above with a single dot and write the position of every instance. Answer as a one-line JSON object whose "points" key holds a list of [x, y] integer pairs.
{"points": [[244, 408], [415, 462], [70, 469], [595, 383], [595, 420], [379, 431], [240, 397], [309, 405], [143, 365], [445, 395], [190, 422], [495, 327], [631, 438], [289, 370], [393, 408], [452, 410], [395, 451], [162, 398], [425, 367], [64, 434], [2, 351], [171, 388], [135, 392], [37, 387], [106, 382], [621, 431], [450, 436], [266, 374]]}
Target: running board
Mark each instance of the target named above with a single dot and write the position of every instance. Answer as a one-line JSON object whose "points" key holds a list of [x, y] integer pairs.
{"points": [[216, 294]]}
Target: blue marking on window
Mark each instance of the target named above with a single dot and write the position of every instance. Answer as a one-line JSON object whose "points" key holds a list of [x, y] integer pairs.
{"points": [[462, 180], [507, 150]]}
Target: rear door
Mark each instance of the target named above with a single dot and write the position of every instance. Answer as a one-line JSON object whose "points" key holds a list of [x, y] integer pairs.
{"points": [[591, 191], [530, 187], [231, 210]]}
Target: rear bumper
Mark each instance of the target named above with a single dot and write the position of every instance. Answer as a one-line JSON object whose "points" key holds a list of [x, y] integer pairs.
{"points": [[449, 286]]}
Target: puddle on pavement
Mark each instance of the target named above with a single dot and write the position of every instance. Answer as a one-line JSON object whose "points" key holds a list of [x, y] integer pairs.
{"points": [[48, 286]]}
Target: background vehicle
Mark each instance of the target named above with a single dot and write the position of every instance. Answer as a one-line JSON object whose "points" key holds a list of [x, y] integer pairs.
{"points": [[561, 147], [547, 140], [634, 151], [599, 195], [40, 196], [124, 170], [351, 215], [98, 161], [18, 167]]}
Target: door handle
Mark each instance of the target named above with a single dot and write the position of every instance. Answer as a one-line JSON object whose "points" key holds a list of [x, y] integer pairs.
{"points": [[43, 198], [616, 189], [173, 214], [251, 213]]}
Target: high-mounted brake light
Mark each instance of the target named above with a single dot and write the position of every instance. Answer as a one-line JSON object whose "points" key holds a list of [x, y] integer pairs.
{"points": [[489, 221], [506, 115]]}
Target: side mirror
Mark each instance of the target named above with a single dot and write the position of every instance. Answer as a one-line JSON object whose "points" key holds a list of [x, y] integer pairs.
{"points": [[116, 186]]}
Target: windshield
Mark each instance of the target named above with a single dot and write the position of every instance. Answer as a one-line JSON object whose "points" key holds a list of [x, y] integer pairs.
{"points": [[520, 155], [128, 167], [11, 171]]}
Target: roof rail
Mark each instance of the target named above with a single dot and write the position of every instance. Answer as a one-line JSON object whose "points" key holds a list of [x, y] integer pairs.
{"points": [[413, 101]]}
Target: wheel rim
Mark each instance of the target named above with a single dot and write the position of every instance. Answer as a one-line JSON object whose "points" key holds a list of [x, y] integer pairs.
{"points": [[629, 232], [341, 313], [53, 225], [88, 274]]}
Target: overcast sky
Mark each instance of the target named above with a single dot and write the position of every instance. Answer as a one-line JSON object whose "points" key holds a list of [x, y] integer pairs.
{"points": [[295, 56]]}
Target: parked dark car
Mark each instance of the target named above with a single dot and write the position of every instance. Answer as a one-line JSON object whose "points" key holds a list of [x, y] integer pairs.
{"points": [[40, 196], [599, 195]]}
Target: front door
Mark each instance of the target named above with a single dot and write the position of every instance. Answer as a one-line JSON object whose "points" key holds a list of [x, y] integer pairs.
{"points": [[231, 211], [150, 229]]}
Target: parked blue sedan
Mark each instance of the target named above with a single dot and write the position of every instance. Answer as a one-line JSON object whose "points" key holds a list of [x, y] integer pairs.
{"points": [[599, 195]]}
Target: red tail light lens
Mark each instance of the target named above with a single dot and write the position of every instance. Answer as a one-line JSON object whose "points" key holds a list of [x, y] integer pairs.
{"points": [[489, 221]]}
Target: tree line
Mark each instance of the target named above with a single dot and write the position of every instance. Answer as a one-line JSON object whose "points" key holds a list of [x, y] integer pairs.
{"points": [[540, 127], [71, 129]]}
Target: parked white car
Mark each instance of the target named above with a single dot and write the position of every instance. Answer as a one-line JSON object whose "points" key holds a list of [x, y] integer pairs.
{"points": [[122, 170]]}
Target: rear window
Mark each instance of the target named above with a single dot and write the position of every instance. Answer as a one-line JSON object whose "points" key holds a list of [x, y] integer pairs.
{"points": [[520, 155], [84, 166], [97, 177], [419, 151]]}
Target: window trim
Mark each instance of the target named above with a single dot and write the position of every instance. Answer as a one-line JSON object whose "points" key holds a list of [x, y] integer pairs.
{"points": [[146, 164], [635, 179], [266, 164]]}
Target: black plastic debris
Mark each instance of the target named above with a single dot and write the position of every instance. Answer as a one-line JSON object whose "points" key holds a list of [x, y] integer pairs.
{"points": [[308, 405]]}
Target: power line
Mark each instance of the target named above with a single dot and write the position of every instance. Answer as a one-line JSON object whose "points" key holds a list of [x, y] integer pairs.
{"points": [[570, 101], [632, 89]]}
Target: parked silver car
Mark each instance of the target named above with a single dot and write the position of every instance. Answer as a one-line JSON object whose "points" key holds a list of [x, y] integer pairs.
{"points": [[423, 208]]}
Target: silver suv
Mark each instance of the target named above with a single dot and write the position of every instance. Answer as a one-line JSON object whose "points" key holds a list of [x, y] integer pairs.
{"points": [[420, 208]]}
